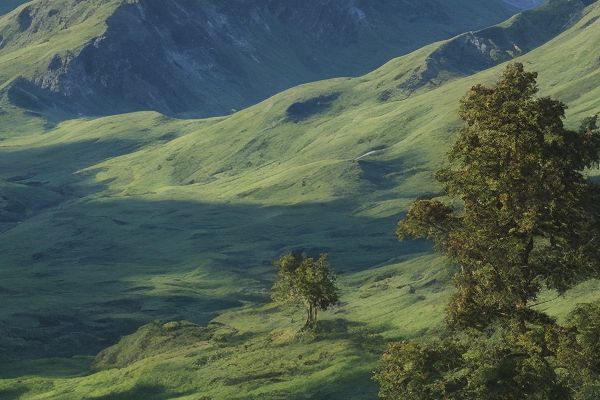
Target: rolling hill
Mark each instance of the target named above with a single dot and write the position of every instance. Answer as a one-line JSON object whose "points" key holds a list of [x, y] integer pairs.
{"points": [[111, 222]]}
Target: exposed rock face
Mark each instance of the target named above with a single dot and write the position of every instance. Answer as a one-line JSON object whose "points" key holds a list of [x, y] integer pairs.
{"points": [[192, 57]]}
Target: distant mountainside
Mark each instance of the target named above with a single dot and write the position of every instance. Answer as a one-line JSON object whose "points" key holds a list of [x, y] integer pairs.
{"points": [[475, 51], [9, 5], [200, 58], [525, 4]]}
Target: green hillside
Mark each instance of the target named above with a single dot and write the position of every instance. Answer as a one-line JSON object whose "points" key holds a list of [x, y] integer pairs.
{"points": [[112, 222], [256, 352], [259, 174]]}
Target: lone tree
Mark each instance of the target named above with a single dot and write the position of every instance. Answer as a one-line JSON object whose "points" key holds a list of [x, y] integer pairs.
{"points": [[305, 281], [528, 220]]}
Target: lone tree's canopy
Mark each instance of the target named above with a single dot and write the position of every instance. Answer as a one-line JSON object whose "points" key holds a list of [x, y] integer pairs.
{"points": [[529, 217], [305, 281]]}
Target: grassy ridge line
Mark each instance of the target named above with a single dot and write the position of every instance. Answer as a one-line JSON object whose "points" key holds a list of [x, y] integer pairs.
{"points": [[262, 142], [29, 51]]}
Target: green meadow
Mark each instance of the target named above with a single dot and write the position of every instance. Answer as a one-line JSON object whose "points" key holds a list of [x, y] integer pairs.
{"points": [[111, 223]]}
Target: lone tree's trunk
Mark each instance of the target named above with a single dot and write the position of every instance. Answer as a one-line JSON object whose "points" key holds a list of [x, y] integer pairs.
{"points": [[308, 323], [311, 319]]}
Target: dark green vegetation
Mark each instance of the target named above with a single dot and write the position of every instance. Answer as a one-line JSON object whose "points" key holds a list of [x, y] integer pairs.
{"points": [[545, 361], [527, 221], [307, 282], [109, 223]]}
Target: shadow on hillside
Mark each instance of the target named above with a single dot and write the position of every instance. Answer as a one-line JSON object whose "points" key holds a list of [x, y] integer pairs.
{"points": [[50, 165], [145, 392], [78, 275], [365, 338], [13, 393], [84, 274], [42, 177], [349, 385]]}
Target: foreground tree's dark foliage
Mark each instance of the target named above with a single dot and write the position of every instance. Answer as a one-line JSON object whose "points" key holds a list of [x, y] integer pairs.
{"points": [[528, 220], [472, 366], [306, 281]]}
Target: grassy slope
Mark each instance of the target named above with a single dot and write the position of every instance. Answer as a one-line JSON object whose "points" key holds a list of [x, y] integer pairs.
{"points": [[261, 198], [29, 48], [256, 353], [271, 159]]}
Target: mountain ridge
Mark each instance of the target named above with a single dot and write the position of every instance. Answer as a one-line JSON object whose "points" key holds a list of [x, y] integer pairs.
{"points": [[222, 60]]}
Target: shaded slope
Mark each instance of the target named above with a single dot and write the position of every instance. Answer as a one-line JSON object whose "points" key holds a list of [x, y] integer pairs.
{"points": [[9, 5], [524, 4], [206, 58], [257, 351]]}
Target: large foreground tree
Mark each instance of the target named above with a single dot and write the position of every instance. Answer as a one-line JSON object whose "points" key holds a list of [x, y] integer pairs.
{"points": [[529, 216], [527, 220]]}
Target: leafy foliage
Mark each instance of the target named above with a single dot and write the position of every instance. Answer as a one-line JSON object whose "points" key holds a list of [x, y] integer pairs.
{"points": [[473, 365], [543, 361], [577, 349], [307, 281], [528, 218], [528, 221]]}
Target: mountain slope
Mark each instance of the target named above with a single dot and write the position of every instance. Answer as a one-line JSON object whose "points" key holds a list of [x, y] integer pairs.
{"points": [[115, 221], [331, 125], [9, 5], [206, 58], [525, 4]]}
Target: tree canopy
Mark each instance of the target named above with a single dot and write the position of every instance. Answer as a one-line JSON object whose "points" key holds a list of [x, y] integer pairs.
{"points": [[305, 281], [526, 219], [529, 216]]}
